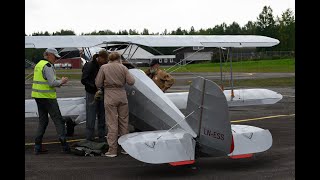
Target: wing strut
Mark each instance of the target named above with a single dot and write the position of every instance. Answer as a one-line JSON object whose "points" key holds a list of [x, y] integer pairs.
{"points": [[221, 85], [201, 110], [230, 54], [86, 49], [134, 52]]}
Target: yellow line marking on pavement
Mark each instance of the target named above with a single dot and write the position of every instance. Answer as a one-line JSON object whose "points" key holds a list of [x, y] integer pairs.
{"points": [[260, 118], [55, 142], [236, 121]]}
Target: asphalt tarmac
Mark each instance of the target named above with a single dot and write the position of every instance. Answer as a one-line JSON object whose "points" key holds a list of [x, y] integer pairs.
{"points": [[276, 163]]}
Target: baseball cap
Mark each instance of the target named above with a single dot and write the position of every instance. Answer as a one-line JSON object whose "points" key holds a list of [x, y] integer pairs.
{"points": [[53, 51], [153, 62]]}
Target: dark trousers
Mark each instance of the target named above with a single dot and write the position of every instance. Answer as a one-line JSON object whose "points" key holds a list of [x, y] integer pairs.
{"points": [[51, 107], [94, 110]]}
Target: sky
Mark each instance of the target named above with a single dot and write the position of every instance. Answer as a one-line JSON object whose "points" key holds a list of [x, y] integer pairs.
{"points": [[85, 16]]}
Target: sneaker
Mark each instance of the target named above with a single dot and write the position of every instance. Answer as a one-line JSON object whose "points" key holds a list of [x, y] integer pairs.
{"points": [[108, 154], [123, 152], [39, 149]]}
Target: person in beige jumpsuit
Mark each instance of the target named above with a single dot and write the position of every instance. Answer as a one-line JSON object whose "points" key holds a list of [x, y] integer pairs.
{"points": [[113, 76]]}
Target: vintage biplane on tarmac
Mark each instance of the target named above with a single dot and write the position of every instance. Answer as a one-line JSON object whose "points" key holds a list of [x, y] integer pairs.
{"points": [[167, 135]]}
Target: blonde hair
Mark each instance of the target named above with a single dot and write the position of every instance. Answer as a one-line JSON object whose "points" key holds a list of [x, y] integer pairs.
{"points": [[114, 56]]}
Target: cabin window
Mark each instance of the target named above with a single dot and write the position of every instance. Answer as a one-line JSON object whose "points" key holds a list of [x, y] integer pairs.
{"points": [[160, 60]]}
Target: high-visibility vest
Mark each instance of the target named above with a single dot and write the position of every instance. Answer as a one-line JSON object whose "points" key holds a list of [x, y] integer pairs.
{"points": [[40, 86]]}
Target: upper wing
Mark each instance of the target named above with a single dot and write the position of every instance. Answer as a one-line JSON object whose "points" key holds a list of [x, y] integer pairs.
{"points": [[152, 40]]}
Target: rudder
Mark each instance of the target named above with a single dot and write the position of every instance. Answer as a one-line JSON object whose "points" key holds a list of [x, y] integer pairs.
{"points": [[209, 117]]}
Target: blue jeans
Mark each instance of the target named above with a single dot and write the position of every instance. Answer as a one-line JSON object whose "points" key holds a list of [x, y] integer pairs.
{"points": [[94, 110]]}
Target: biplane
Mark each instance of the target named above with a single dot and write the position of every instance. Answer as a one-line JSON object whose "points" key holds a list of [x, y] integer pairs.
{"points": [[166, 135]]}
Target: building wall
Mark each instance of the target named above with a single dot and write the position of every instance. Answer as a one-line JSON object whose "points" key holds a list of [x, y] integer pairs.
{"points": [[146, 62], [186, 53], [191, 56], [75, 62]]}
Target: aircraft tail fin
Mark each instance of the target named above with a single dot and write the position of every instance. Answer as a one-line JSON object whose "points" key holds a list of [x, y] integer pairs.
{"points": [[208, 116]]}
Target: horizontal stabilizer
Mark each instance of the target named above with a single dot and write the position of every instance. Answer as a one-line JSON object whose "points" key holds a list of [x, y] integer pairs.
{"points": [[249, 97], [250, 139], [179, 99], [158, 147], [243, 97]]}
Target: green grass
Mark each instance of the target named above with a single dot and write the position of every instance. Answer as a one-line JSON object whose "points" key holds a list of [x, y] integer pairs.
{"points": [[265, 82], [269, 82], [280, 65], [70, 76], [62, 73]]}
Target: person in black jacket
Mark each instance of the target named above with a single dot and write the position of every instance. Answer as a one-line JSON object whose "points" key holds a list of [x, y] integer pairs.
{"points": [[94, 108]]}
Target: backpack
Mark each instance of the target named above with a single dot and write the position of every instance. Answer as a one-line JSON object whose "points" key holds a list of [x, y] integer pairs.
{"points": [[88, 148]]}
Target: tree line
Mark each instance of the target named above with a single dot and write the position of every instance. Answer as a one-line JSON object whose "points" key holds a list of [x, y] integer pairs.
{"points": [[281, 28]]}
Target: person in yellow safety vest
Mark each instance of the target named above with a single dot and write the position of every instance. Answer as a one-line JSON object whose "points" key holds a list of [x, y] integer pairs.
{"points": [[44, 93], [161, 78]]}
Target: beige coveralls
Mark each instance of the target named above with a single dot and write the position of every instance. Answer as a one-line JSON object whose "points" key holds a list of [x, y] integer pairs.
{"points": [[113, 76]]}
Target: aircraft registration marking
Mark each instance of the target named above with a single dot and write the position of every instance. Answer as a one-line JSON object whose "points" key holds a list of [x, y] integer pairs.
{"points": [[216, 135]]}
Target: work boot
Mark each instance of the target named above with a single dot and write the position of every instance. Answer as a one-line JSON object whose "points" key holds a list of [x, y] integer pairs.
{"points": [[70, 127], [65, 146], [39, 149]]}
